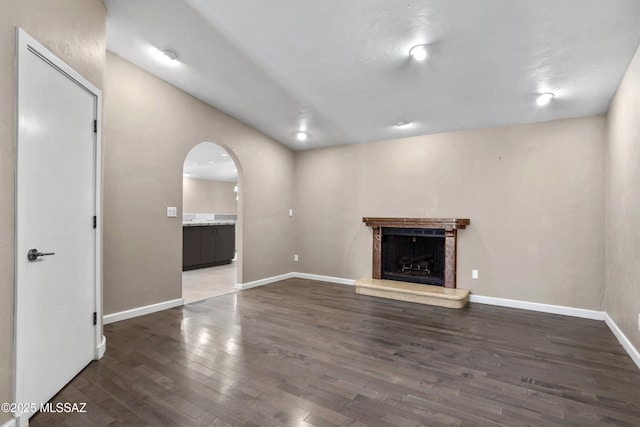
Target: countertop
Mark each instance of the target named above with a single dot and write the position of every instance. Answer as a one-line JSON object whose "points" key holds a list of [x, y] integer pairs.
{"points": [[198, 223]]}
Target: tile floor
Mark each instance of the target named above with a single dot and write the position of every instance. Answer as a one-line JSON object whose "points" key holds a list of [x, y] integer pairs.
{"points": [[203, 283]]}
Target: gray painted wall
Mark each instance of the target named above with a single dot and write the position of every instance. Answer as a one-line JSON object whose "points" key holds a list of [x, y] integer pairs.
{"points": [[622, 293], [204, 196], [150, 126], [534, 194]]}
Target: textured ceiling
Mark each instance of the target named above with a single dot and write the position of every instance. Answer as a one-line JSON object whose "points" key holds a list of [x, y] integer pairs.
{"points": [[340, 69]]}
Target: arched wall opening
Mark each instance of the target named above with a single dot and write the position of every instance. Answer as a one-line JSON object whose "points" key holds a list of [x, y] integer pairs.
{"points": [[212, 222]]}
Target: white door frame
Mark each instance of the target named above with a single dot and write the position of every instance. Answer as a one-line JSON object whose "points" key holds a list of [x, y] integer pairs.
{"points": [[27, 45]]}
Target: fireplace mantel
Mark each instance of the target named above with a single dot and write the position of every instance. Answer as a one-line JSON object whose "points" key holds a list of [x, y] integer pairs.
{"points": [[445, 223], [450, 226]]}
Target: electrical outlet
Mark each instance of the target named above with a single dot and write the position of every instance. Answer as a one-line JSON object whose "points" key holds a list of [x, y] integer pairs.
{"points": [[172, 212], [474, 274], [295, 257], [290, 212]]}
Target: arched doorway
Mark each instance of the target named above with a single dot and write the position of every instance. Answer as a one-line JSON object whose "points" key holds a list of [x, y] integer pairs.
{"points": [[210, 199]]}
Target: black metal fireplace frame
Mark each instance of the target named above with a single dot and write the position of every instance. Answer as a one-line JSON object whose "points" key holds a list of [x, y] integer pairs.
{"points": [[428, 270]]}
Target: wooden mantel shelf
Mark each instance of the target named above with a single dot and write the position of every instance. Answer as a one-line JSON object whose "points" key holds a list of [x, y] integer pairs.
{"points": [[445, 223]]}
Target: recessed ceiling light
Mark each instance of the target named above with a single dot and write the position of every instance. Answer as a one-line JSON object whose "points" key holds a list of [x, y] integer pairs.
{"points": [[194, 164], [301, 135], [186, 174], [224, 155], [401, 124], [171, 54], [167, 56], [544, 98], [419, 52], [210, 163]]}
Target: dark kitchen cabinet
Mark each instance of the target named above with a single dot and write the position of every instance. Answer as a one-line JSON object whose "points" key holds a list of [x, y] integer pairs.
{"points": [[191, 246], [225, 247], [207, 245]]}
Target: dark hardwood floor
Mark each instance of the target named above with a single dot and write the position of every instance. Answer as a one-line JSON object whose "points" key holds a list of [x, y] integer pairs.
{"points": [[300, 352]]}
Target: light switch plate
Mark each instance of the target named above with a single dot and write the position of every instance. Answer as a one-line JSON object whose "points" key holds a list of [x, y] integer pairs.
{"points": [[172, 212], [474, 274]]}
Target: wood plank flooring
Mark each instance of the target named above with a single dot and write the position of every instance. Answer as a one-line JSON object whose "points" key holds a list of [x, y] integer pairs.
{"points": [[300, 352]]}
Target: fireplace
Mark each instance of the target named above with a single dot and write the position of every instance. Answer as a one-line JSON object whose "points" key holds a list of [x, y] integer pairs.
{"points": [[417, 250], [413, 255]]}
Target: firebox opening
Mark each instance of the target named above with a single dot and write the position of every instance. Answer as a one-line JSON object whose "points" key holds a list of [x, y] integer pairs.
{"points": [[413, 255]]}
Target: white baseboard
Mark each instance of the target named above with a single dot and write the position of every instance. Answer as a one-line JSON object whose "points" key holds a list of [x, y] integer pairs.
{"points": [[102, 347], [141, 311], [534, 306], [262, 282], [329, 279], [624, 341], [10, 423]]}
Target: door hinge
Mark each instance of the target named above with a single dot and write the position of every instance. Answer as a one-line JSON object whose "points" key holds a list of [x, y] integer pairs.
{"points": [[95, 126], [95, 221], [95, 318]]}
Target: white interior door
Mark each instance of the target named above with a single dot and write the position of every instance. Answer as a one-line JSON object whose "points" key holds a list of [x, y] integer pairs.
{"points": [[56, 203]]}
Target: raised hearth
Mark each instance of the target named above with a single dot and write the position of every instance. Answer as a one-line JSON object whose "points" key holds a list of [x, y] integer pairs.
{"points": [[412, 292]]}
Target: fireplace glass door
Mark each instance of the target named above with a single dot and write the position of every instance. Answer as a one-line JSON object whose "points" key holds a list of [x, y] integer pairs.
{"points": [[413, 255]]}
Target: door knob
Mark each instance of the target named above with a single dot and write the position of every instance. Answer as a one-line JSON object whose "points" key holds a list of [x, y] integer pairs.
{"points": [[33, 254]]}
